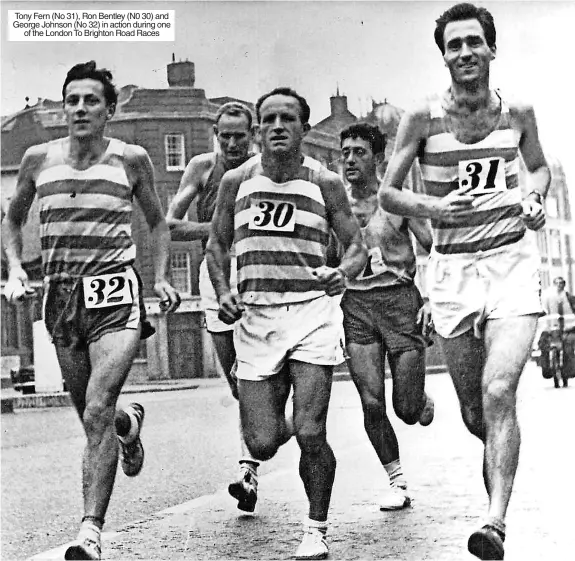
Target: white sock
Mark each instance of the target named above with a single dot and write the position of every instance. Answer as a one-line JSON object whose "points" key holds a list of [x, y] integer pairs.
{"points": [[395, 474], [310, 524], [89, 530]]}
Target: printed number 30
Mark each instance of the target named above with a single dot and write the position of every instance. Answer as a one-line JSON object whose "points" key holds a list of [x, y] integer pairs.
{"points": [[279, 215]]}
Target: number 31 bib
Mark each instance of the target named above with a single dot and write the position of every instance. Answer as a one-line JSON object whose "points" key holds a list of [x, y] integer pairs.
{"points": [[482, 176]]}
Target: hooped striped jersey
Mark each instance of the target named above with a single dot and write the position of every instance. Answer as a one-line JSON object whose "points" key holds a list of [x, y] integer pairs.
{"points": [[281, 234], [85, 215], [488, 169]]}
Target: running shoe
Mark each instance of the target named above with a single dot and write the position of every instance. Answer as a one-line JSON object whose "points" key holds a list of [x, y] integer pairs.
{"points": [[313, 545], [395, 498], [132, 451], [84, 548], [427, 413], [245, 489], [486, 543]]}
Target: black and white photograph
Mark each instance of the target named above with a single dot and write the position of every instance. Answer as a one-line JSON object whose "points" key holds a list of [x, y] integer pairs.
{"points": [[287, 280]]}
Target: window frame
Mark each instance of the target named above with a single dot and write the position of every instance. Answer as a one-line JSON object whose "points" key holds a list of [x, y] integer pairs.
{"points": [[170, 151]]}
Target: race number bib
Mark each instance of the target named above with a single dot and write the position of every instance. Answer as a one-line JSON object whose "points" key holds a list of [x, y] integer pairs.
{"points": [[482, 176], [103, 291], [273, 216], [374, 265]]}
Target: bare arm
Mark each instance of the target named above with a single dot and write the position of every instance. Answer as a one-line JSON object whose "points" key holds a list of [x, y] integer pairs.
{"points": [[17, 285], [346, 228], [218, 248], [20, 204], [146, 195], [539, 174], [421, 229], [452, 208], [186, 230]]}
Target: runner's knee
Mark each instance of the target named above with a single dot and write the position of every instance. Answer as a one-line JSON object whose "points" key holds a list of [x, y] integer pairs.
{"points": [[407, 409], [311, 439], [473, 419], [98, 416], [373, 410], [261, 447], [498, 397]]}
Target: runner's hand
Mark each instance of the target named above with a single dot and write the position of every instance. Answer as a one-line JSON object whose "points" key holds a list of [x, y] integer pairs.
{"points": [[169, 298], [331, 280], [424, 320], [453, 208], [231, 308], [532, 214], [17, 287]]}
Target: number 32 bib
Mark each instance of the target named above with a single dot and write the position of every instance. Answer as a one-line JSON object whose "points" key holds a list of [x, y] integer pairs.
{"points": [[103, 291]]}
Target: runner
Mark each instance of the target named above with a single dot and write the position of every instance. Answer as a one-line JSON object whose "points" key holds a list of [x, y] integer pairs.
{"points": [[277, 210], [93, 305], [383, 310], [482, 279], [201, 180]]}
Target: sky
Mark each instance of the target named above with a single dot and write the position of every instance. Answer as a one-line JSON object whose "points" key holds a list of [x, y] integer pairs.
{"points": [[370, 50]]}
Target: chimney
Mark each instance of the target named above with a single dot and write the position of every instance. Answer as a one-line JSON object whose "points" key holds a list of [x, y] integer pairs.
{"points": [[338, 104], [181, 74]]}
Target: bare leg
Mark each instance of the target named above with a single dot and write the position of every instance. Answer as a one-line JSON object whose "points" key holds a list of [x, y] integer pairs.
{"points": [[312, 391], [111, 357], [226, 352], [262, 411], [367, 371], [508, 343], [408, 371]]}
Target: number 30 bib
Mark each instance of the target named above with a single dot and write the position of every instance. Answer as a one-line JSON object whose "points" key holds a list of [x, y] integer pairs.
{"points": [[103, 291], [482, 176], [273, 216]]}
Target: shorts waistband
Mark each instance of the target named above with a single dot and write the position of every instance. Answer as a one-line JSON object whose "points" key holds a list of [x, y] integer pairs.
{"points": [[519, 245], [68, 278]]}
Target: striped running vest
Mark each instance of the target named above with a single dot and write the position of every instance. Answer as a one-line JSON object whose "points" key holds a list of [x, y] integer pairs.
{"points": [[489, 168], [85, 215], [281, 233]]}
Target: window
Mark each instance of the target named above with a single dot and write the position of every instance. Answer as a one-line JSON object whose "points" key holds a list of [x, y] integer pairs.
{"points": [[180, 266], [175, 152], [552, 207], [555, 242], [542, 243]]}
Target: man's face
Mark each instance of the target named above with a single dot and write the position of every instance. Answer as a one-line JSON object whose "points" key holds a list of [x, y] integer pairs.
{"points": [[234, 137], [467, 55], [281, 130], [85, 108], [560, 284], [359, 162]]}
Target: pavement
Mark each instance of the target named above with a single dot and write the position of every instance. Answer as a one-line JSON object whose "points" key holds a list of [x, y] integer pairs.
{"points": [[442, 463]]}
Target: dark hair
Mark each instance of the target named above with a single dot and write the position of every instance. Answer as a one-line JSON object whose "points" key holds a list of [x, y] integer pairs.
{"points": [[372, 134], [461, 12], [235, 109], [304, 107], [88, 70]]}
